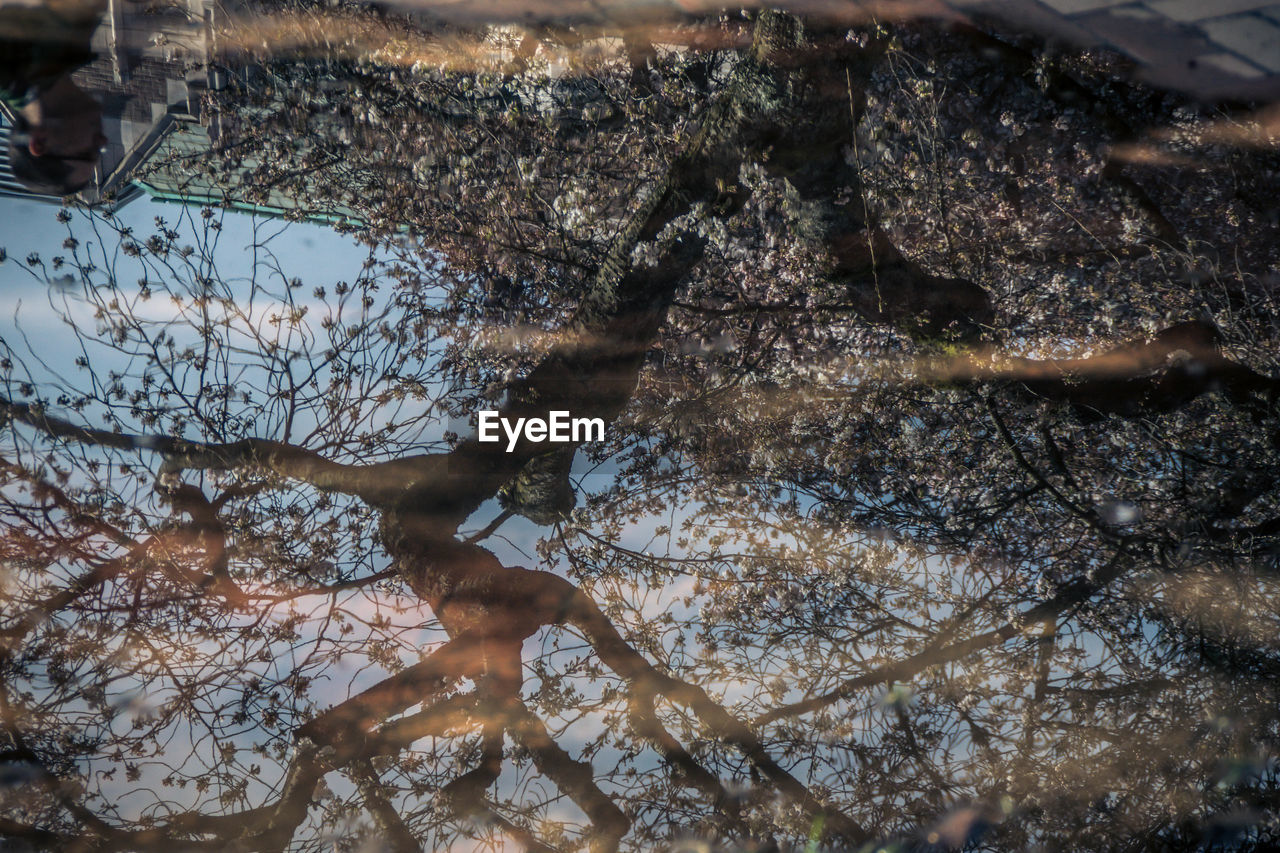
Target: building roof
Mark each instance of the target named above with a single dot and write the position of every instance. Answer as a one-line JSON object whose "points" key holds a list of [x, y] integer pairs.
{"points": [[184, 167]]}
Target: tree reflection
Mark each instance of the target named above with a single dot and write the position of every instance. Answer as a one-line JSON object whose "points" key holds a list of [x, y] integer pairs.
{"points": [[940, 466]]}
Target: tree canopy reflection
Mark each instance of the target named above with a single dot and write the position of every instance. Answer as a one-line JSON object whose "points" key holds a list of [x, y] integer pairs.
{"points": [[937, 506]]}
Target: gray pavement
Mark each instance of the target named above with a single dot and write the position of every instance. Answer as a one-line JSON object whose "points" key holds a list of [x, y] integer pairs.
{"points": [[1212, 48]]}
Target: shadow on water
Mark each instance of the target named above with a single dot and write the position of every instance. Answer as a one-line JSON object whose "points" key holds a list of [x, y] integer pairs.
{"points": [[884, 434]]}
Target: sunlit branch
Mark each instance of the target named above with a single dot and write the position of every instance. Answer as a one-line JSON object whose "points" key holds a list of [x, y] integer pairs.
{"points": [[326, 589], [1176, 365]]}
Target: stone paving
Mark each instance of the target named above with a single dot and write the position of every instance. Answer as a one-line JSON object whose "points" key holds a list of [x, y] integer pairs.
{"points": [[1213, 48]]}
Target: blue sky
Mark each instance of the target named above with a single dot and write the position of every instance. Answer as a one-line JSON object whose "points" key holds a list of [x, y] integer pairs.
{"points": [[36, 304], [309, 250]]}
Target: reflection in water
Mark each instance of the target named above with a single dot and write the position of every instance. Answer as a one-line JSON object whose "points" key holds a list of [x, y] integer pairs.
{"points": [[55, 126], [937, 502]]}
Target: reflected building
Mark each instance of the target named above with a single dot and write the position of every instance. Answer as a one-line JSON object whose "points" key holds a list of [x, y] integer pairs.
{"points": [[178, 163], [151, 68], [154, 65]]}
